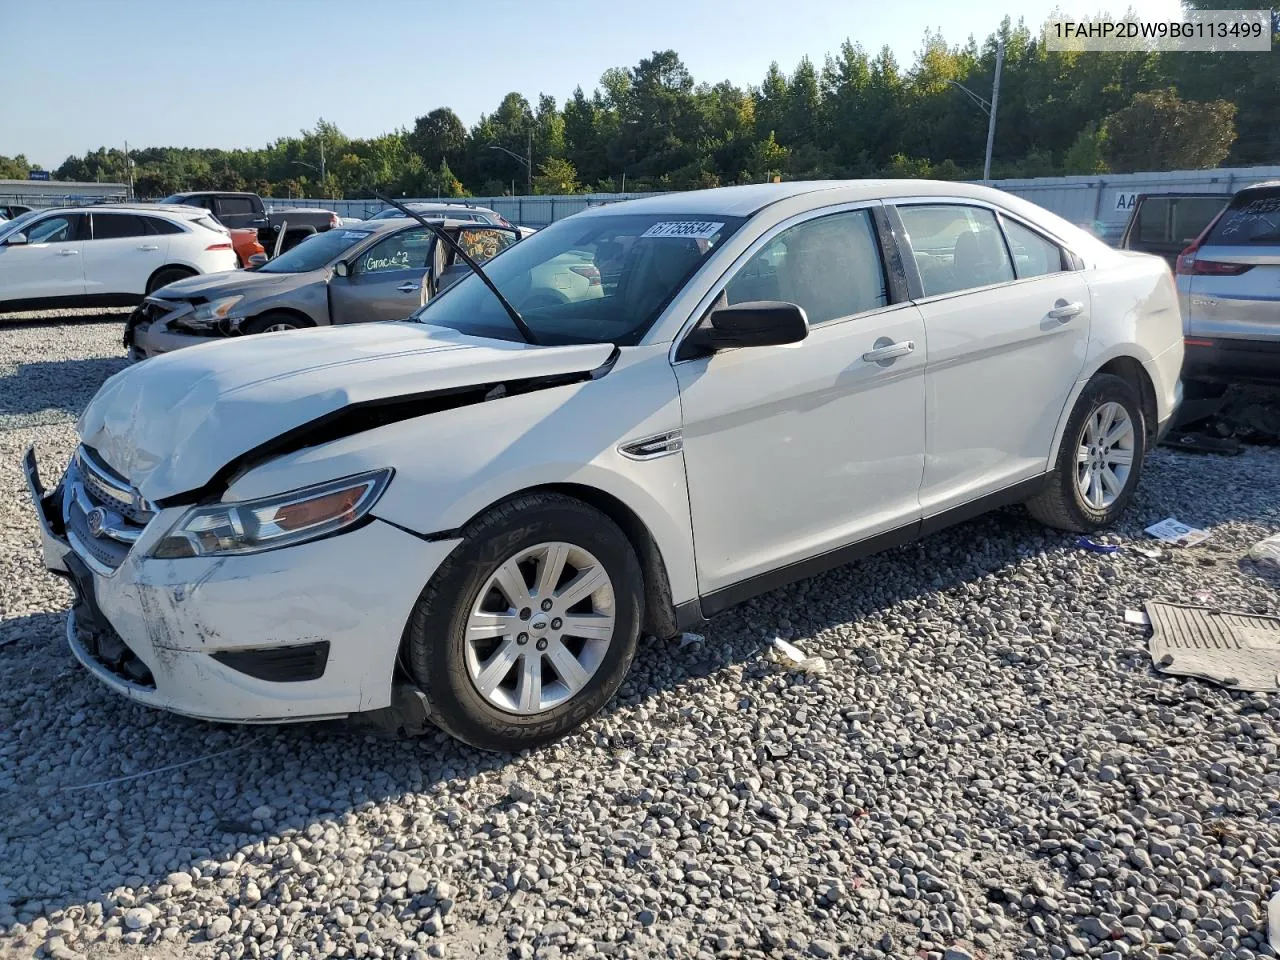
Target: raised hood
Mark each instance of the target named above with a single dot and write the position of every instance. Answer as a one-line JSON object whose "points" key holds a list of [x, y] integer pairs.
{"points": [[170, 423]]}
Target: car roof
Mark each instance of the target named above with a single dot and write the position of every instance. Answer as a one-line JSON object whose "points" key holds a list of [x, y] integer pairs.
{"points": [[171, 209], [423, 205], [743, 201], [391, 224]]}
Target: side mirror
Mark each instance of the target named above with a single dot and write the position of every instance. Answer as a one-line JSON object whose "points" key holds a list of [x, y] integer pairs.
{"points": [[16, 239], [760, 323], [256, 260], [341, 269]]}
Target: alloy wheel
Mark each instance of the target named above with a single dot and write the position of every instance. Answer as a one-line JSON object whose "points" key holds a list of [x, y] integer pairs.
{"points": [[540, 628], [1105, 455]]}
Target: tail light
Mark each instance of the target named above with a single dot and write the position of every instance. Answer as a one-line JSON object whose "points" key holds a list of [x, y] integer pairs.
{"points": [[218, 246], [589, 271], [1213, 268], [1186, 263]]}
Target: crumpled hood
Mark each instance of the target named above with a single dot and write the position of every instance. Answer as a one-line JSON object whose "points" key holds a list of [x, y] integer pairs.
{"points": [[227, 283], [170, 423]]}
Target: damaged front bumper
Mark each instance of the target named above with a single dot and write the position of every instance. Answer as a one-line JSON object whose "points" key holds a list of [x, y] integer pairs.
{"points": [[301, 633], [156, 327]]}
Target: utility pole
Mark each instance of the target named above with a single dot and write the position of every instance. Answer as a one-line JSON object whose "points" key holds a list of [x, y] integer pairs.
{"points": [[323, 181], [528, 166], [995, 101], [128, 166]]}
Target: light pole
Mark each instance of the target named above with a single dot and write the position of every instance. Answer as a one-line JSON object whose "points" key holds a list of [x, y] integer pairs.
{"points": [[525, 161], [989, 108]]}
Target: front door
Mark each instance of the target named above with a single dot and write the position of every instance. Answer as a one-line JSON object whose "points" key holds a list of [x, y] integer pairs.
{"points": [[1007, 319], [387, 280], [49, 264], [797, 450]]}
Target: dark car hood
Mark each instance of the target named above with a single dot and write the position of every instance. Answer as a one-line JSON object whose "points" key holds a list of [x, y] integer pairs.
{"points": [[249, 282]]}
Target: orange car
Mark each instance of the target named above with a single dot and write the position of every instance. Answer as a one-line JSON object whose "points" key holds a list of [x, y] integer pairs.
{"points": [[245, 242]]}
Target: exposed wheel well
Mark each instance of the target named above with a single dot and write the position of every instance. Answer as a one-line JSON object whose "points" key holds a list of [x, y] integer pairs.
{"points": [[1129, 369], [168, 267], [301, 317]]}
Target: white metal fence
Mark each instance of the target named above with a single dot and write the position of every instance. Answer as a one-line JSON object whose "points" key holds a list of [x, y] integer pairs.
{"points": [[1099, 203]]}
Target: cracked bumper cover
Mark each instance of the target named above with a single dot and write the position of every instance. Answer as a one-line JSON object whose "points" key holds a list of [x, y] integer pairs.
{"points": [[176, 614]]}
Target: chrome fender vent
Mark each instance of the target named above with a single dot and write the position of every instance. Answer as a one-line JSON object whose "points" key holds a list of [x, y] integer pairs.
{"points": [[650, 448]]}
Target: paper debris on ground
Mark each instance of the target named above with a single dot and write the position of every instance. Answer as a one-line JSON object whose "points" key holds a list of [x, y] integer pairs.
{"points": [[688, 638], [1177, 534], [1137, 617], [1152, 552], [1273, 923], [797, 658]]}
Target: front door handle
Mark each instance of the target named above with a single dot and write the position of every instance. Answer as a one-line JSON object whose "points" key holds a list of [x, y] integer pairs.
{"points": [[888, 351], [147, 246], [68, 253], [408, 287], [1065, 311]]}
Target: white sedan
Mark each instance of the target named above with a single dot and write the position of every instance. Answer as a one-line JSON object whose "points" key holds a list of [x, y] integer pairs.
{"points": [[479, 510]]}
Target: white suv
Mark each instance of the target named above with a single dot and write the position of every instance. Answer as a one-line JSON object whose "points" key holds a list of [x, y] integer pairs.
{"points": [[485, 506], [107, 255]]}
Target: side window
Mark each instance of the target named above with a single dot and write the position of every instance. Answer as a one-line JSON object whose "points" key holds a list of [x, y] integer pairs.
{"points": [[1033, 255], [235, 205], [484, 243], [829, 266], [59, 229], [117, 226], [406, 250], [956, 247], [157, 226], [203, 202]]}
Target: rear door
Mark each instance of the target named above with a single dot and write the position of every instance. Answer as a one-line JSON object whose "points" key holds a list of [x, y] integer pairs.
{"points": [[387, 280], [1165, 224], [49, 264], [121, 254], [1234, 290], [1007, 322], [235, 211], [482, 244]]}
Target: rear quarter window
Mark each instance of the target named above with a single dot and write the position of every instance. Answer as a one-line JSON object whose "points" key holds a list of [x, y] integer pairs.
{"points": [[1252, 217]]}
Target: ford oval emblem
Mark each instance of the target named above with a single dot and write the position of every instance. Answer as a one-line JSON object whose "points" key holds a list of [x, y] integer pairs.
{"points": [[96, 519]]}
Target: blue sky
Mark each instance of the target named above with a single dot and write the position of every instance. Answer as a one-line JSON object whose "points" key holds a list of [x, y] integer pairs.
{"points": [[83, 73]]}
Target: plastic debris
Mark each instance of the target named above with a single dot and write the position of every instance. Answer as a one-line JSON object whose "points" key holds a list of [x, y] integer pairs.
{"points": [[689, 638], [1086, 544], [797, 658], [1177, 534], [1150, 552], [1266, 552], [1137, 618]]}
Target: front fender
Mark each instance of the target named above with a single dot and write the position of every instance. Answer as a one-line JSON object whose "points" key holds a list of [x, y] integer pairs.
{"points": [[452, 465]]}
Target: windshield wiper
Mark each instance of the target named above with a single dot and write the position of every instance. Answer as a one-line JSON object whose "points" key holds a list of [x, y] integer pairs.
{"points": [[443, 235]]}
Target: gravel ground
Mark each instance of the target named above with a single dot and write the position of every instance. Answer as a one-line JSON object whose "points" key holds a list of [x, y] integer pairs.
{"points": [[988, 767]]}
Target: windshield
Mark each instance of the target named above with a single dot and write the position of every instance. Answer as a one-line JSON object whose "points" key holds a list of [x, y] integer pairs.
{"points": [[315, 251], [17, 223], [599, 279]]}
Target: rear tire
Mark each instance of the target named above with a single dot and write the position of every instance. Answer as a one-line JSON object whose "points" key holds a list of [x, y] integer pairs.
{"points": [[273, 321], [1099, 462], [466, 625], [167, 275]]}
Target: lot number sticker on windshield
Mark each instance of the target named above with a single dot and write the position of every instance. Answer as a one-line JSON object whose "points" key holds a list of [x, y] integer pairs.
{"points": [[684, 229]]}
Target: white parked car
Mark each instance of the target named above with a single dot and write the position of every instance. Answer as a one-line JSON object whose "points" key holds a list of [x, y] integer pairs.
{"points": [[779, 379], [106, 255]]}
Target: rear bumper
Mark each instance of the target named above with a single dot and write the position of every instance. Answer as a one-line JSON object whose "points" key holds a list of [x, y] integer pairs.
{"points": [[1221, 360]]}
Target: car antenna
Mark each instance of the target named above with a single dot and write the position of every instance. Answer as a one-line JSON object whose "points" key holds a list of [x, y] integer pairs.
{"points": [[440, 232]]}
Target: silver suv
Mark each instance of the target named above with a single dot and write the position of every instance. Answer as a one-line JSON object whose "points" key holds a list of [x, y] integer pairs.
{"points": [[1229, 291]]}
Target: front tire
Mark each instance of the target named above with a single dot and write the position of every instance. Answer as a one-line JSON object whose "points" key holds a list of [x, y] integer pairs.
{"points": [[1100, 459], [273, 322], [529, 627], [165, 276]]}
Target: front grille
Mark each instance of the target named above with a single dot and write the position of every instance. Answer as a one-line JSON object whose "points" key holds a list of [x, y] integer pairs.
{"points": [[104, 515]]}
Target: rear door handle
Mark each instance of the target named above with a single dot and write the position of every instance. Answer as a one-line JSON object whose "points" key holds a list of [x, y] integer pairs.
{"points": [[68, 253], [1065, 311], [408, 287], [889, 351], [148, 247]]}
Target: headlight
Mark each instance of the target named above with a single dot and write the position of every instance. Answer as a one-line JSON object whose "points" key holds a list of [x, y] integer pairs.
{"points": [[252, 526], [214, 311]]}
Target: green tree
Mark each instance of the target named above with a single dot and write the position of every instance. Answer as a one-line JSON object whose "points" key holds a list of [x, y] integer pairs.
{"points": [[14, 168], [438, 136], [1159, 131], [556, 175], [1085, 156]]}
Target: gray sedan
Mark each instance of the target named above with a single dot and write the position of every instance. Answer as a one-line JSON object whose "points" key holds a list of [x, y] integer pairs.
{"points": [[382, 270]]}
